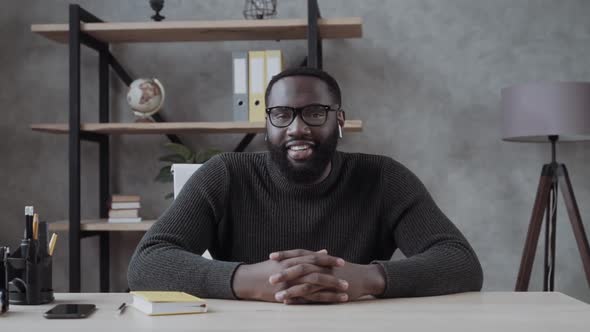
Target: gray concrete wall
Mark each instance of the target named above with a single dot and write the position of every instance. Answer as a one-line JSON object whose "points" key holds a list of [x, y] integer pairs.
{"points": [[425, 79]]}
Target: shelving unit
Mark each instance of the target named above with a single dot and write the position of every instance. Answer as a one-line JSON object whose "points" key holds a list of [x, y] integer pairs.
{"points": [[172, 127], [86, 29], [101, 225], [184, 31]]}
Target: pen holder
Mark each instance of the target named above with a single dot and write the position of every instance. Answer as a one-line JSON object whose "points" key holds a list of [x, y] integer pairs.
{"points": [[3, 281], [30, 282]]}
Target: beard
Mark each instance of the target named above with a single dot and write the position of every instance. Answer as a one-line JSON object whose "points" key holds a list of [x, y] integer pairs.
{"points": [[307, 171]]}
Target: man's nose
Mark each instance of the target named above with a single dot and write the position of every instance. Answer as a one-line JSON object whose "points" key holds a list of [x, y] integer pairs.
{"points": [[298, 128]]}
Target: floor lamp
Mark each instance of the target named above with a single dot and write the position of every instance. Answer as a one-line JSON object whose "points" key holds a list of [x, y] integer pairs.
{"points": [[549, 112]]}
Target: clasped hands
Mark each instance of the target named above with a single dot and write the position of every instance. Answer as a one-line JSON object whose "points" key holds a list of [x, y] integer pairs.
{"points": [[301, 276]]}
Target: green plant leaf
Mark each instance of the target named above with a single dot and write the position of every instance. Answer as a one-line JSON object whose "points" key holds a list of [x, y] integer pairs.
{"points": [[205, 155], [181, 154], [198, 157], [165, 174], [174, 158], [180, 149], [192, 160]]}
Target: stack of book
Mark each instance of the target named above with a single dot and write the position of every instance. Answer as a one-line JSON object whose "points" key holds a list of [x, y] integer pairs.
{"points": [[124, 209], [167, 303]]}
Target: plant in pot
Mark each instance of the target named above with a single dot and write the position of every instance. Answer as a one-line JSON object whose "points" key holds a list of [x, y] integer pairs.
{"points": [[181, 154]]}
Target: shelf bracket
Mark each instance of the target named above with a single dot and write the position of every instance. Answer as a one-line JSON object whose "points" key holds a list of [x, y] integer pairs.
{"points": [[314, 41], [244, 142], [92, 137], [119, 70], [173, 138], [85, 234]]}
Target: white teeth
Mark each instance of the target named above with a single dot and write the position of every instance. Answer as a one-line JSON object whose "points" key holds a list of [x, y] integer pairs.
{"points": [[299, 147]]}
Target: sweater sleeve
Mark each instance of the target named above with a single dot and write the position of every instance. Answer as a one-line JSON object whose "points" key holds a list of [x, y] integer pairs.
{"points": [[169, 255], [439, 260]]}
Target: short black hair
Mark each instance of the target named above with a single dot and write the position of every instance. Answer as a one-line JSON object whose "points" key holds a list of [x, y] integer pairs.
{"points": [[307, 71]]}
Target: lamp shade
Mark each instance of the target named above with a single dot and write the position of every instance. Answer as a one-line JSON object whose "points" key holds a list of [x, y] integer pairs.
{"points": [[534, 111]]}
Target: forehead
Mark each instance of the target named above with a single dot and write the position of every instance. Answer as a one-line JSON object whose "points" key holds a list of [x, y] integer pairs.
{"points": [[299, 91]]}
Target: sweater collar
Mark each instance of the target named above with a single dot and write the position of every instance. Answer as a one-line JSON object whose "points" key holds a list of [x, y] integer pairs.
{"points": [[321, 187]]}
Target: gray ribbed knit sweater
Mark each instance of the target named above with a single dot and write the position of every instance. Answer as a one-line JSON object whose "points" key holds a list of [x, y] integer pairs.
{"points": [[241, 208]]}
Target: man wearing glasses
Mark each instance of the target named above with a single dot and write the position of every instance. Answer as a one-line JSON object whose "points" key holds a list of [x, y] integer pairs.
{"points": [[304, 223]]}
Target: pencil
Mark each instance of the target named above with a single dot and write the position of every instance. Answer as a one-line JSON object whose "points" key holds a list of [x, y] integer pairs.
{"points": [[35, 226], [52, 243]]}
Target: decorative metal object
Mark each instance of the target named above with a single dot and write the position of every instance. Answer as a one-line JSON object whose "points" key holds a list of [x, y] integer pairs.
{"points": [[157, 5], [260, 9]]}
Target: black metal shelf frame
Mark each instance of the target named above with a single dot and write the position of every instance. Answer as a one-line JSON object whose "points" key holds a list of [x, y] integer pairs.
{"points": [[106, 61]]}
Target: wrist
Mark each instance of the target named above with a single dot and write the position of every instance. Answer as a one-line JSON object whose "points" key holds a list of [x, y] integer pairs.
{"points": [[242, 283], [375, 283]]}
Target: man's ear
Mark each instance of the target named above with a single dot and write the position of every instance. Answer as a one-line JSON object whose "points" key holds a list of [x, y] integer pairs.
{"points": [[341, 117]]}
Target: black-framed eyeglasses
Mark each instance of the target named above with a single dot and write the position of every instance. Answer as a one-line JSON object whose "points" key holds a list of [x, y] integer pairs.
{"points": [[313, 115]]}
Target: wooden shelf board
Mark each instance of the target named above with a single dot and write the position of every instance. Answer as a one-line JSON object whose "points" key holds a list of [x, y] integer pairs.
{"points": [[101, 225], [182, 31], [173, 127]]}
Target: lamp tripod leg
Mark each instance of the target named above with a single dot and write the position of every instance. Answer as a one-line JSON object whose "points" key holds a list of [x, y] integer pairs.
{"points": [[547, 262], [576, 220], [553, 228], [528, 255]]}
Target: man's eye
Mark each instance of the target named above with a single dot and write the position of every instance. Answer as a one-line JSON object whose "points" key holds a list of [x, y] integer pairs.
{"points": [[281, 115]]}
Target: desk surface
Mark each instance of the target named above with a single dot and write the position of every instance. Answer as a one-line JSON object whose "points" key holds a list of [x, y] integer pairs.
{"points": [[495, 311]]}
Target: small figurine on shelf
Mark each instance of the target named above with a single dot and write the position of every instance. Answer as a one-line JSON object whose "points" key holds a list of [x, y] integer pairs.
{"points": [[157, 5], [260, 9], [146, 97]]}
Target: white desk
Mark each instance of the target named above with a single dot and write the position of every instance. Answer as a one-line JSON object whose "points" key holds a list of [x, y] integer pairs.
{"points": [[498, 312]]}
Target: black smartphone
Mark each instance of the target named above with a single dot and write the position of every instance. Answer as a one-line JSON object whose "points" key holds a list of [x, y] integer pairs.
{"points": [[70, 311]]}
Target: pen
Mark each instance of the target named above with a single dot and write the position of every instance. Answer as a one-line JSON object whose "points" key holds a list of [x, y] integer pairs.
{"points": [[35, 226], [29, 210], [4, 251], [42, 239], [34, 244], [24, 248], [52, 243], [121, 308]]}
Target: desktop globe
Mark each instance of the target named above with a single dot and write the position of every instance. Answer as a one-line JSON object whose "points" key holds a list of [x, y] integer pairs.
{"points": [[145, 96]]}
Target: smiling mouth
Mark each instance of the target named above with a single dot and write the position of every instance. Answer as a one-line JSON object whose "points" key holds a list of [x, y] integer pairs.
{"points": [[300, 151]]}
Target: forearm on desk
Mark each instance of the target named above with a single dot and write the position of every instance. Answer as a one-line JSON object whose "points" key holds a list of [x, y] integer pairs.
{"points": [[440, 259], [169, 258], [169, 255], [446, 269], [168, 268]]}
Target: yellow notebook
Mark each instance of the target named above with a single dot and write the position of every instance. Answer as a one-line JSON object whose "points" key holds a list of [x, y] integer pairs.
{"points": [[168, 303]]}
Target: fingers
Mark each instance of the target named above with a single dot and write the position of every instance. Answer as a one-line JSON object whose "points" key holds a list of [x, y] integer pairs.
{"points": [[297, 291], [325, 280], [297, 300], [280, 255], [310, 284], [315, 259], [309, 293], [319, 297], [293, 272], [301, 266], [310, 274], [327, 297]]}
